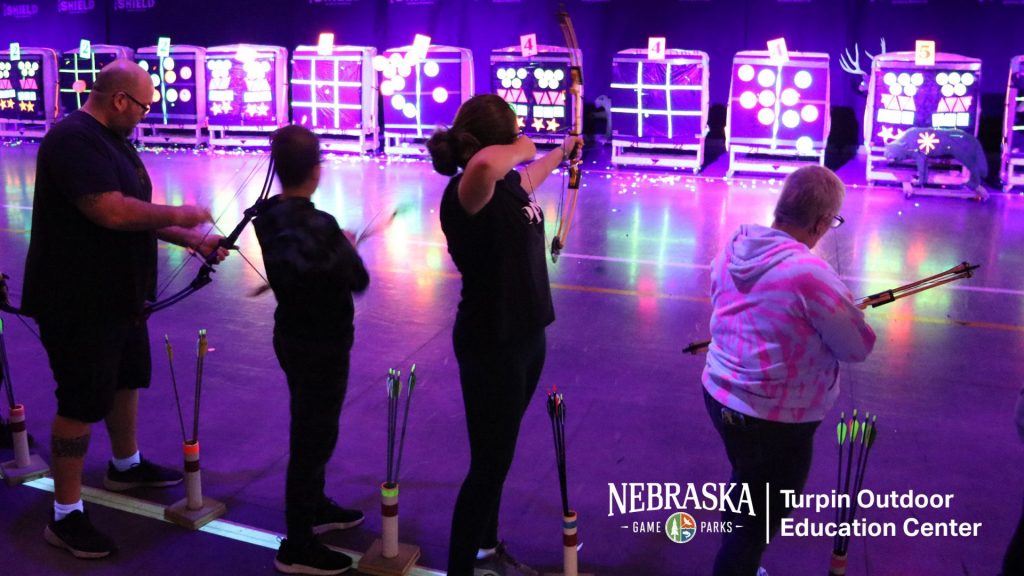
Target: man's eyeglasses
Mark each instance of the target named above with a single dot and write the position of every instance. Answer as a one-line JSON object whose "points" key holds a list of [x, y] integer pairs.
{"points": [[145, 107], [837, 221]]}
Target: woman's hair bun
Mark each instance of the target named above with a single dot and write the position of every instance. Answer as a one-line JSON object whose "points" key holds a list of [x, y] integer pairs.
{"points": [[443, 149]]}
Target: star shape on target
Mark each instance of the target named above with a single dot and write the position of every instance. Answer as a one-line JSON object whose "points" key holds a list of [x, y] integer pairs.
{"points": [[553, 125], [538, 124], [27, 106], [521, 121]]}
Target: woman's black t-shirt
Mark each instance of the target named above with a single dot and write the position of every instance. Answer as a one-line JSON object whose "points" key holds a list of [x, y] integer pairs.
{"points": [[500, 252]]}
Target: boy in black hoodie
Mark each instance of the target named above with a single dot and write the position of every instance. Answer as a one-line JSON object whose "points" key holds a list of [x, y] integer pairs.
{"points": [[313, 269]]}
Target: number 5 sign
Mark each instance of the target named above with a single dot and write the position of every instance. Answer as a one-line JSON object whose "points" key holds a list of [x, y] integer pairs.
{"points": [[924, 53]]}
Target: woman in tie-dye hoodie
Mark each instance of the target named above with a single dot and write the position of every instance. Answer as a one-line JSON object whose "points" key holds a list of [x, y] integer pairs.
{"points": [[782, 321]]}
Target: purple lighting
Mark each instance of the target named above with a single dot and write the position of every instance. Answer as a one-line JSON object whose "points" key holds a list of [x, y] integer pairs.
{"points": [[77, 74], [902, 94], [1013, 127], [537, 89], [327, 90], [779, 107], [28, 92], [178, 84], [422, 88], [245, 86], [660, 108]]}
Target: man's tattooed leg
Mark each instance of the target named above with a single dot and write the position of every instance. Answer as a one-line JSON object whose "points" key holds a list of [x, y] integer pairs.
{"points": [[69, 447]]}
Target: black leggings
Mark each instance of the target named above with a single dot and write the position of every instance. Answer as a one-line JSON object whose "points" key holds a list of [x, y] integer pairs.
{"points": [[497, 385], [317, 375], [760, 452]]}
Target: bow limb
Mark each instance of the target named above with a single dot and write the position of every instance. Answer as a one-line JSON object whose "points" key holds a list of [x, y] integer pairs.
{"points": [[204, 276], [567, 204]]}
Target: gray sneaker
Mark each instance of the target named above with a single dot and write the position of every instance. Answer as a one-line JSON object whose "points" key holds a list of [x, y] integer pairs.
{"points": [[502, 563]]}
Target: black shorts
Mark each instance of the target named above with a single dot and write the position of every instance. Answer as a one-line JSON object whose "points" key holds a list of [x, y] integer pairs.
{"points": [[92, 359]]}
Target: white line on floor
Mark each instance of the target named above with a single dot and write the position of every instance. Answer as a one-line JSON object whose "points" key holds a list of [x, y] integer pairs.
{"points": [[222, 528]]}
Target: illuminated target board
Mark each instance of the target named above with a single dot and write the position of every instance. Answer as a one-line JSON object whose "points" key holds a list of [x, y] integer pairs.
{"points": [[659, 108], [537, 88], [246, 93], [78, 73], [421, 90], [1013, 127], [779, 112], [179, 94], [334, 93], [28, 92], [903, 94]]}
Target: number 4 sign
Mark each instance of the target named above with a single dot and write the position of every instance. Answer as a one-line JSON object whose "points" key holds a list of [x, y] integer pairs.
{"points": [[777, 51], [655, 48], [528, 45]]}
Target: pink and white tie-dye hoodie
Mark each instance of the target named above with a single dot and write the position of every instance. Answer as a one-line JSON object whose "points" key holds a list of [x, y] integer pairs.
{"points": [[782, 322]]}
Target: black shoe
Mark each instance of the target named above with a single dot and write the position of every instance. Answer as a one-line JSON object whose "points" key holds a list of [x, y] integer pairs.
{"points": [[77, 535], [310, 558], [144, 474], [330, 516], [502, 563]]}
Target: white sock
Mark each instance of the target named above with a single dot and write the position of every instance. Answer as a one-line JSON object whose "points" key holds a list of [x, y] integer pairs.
{"points": [[62, 510], [484, 553], [123, 464]]}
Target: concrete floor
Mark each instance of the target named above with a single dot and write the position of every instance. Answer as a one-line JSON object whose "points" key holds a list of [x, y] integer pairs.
{"points": [[630, 292]]}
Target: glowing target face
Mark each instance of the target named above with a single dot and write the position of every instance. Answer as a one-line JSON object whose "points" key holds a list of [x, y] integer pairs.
{"points": [[240, 87], [904, 95], [774, 106], [172, 80], [421, 91], [662, 101], [22, 93], [536, 88], [77, 74], [1015, 113], [327, 89]]}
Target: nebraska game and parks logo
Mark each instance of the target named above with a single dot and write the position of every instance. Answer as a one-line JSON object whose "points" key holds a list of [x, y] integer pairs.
{"points": [[681, 500], [680, 527]]}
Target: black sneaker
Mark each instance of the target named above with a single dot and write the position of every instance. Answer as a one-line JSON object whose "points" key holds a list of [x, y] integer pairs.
{"points": [[330, 516], [77, 535], [144, 474], [310, 558]]}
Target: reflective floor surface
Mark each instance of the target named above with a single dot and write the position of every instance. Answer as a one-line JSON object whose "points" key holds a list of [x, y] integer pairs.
{"points": [[630, 292]]}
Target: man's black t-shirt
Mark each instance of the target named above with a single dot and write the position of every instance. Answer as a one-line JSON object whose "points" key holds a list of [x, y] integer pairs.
{"points": [[75, 266], [500, 253], [312, 268]]}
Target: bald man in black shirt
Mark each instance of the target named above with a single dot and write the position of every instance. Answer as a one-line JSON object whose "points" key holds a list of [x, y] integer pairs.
{"points": [[91, 268]]}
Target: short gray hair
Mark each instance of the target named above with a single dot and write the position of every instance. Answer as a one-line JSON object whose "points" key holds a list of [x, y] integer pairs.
{"points": [[809, 194]]}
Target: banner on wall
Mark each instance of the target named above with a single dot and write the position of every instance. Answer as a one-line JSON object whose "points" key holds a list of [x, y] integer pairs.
{"points": [[75, 6], [134, 5], [21, 10]]}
